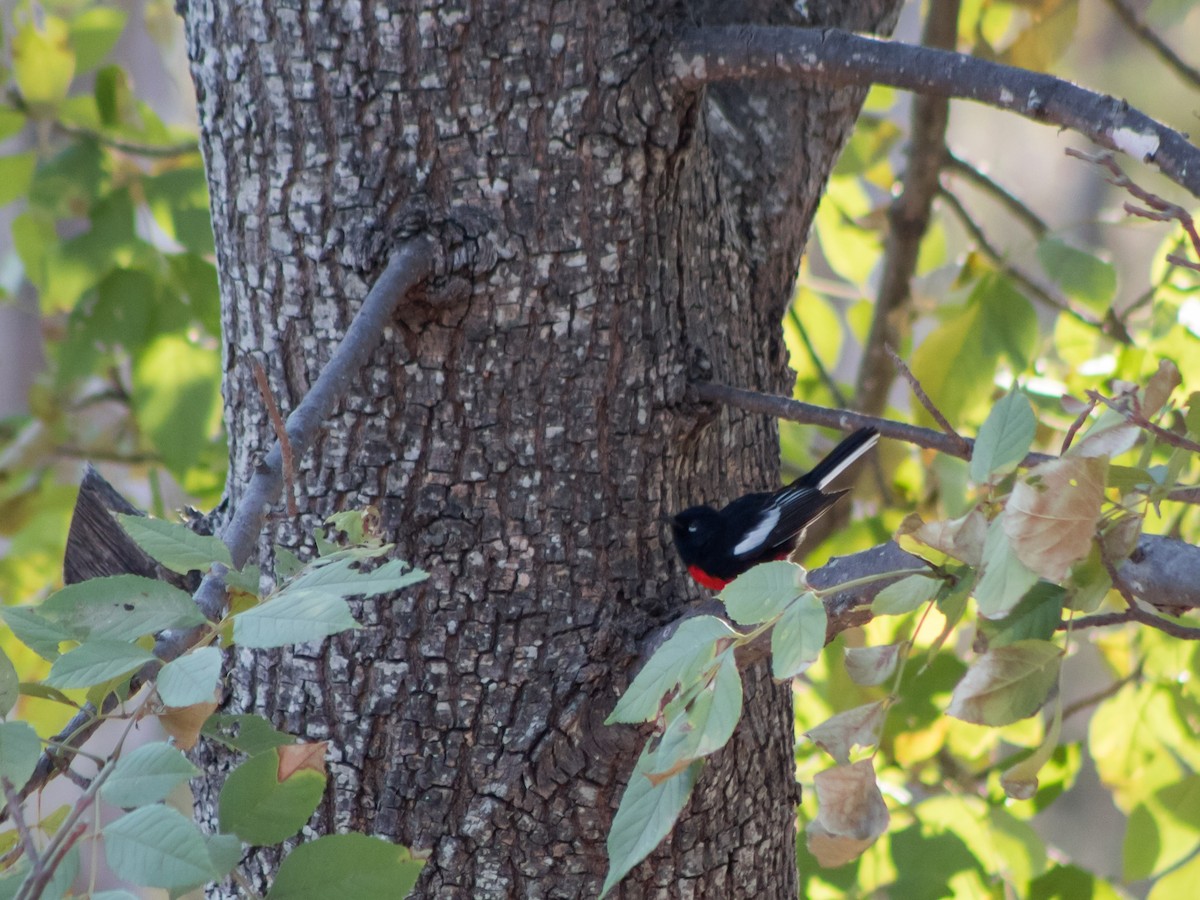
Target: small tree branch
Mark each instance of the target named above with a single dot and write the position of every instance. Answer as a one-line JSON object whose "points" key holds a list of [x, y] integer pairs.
{"points": [[936, 414], [25, 836], [1135, 417], [281, 435], [409, 265], [843, 420], [908, 221], [833, 58], [992, 188], [1160, 210], [1033, 288], [1145, 34]]}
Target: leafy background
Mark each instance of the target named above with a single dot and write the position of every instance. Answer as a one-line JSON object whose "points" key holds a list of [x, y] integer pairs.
{"points": [[108, 252]]}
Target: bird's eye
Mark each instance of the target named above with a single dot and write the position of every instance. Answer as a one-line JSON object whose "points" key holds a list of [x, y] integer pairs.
{"points": [[693, 528]]}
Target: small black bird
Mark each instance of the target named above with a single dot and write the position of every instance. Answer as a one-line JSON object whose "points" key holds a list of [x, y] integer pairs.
{"points": [[717, 546]]}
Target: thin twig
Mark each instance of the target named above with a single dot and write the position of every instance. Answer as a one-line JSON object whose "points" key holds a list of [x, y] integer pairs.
{"points": [[1136, 417], [944, 423], [281, 435], [1157, 44], [836, 392], [1008, 200], [24, 835], [1161, 210], [992, 252], [908, 219], [831, 57], [1075, 426], [1101, 695]]}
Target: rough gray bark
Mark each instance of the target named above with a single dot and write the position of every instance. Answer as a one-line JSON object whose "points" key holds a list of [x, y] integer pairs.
{"points": [[523, 429]]}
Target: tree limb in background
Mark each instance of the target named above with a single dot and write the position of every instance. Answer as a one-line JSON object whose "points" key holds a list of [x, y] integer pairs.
{"points": [[834, 58], [908, 221], [958, 166], [1145, 34], [1035, 290]]}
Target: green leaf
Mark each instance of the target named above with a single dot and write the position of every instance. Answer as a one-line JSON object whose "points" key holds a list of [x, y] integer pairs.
{"points": [[263, 803], [175, 545], [120, 608], [146, 775], [176, 398], [157, 847], [287, 563], [798, 637], [1004, 438], [646, 815], [178, 198], [1082, 276], [94, 32], [16, 174], [95, 663], [763, 592], [1036, 616], [225, 851], [708, 722], [340, 578], [11, 122], [346, 865], [678, 661], [245, 733], [190, 679], [1007, 684], [19, 751], [1005, 578], [43, 63], [34, 630], [292, 618], [905, 595], [10, 685], [114, 895]]}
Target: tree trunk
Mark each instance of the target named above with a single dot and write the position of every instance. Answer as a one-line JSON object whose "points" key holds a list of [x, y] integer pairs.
{"points": [[521, 429]]}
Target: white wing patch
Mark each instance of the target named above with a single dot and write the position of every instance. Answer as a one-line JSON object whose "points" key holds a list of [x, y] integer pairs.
{"points": [[753, 540]]}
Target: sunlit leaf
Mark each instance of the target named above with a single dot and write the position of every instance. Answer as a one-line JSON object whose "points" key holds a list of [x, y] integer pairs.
{"points": [[851, 814], [262, 805], [1007, 684], [1004, 438], [1052, 514], [763, 592], [858, 727], [799, 636]]}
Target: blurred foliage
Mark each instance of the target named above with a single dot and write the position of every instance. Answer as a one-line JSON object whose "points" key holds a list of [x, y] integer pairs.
{"points": [[112, 241], [975, 329]]}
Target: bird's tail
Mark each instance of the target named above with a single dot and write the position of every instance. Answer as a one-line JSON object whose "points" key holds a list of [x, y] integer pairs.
{"points": [[839, 459]]}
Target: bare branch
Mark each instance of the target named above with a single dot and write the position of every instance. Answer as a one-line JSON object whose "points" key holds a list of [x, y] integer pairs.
{"points": [[829, 57], [281, 435], [1160, 210], [1135, 417], [934, 412], [25, 836], [1033, 288], [834, 391], [1136, 614], [843, 420], [1144, 33], [1007, 199], [908, 221]]}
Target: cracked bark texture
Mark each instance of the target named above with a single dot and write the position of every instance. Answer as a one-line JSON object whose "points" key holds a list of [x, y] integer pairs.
{"points": [[522, 430]]}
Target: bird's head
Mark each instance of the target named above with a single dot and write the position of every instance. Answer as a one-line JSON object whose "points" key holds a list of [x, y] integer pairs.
{"points": [[693, 529]]}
